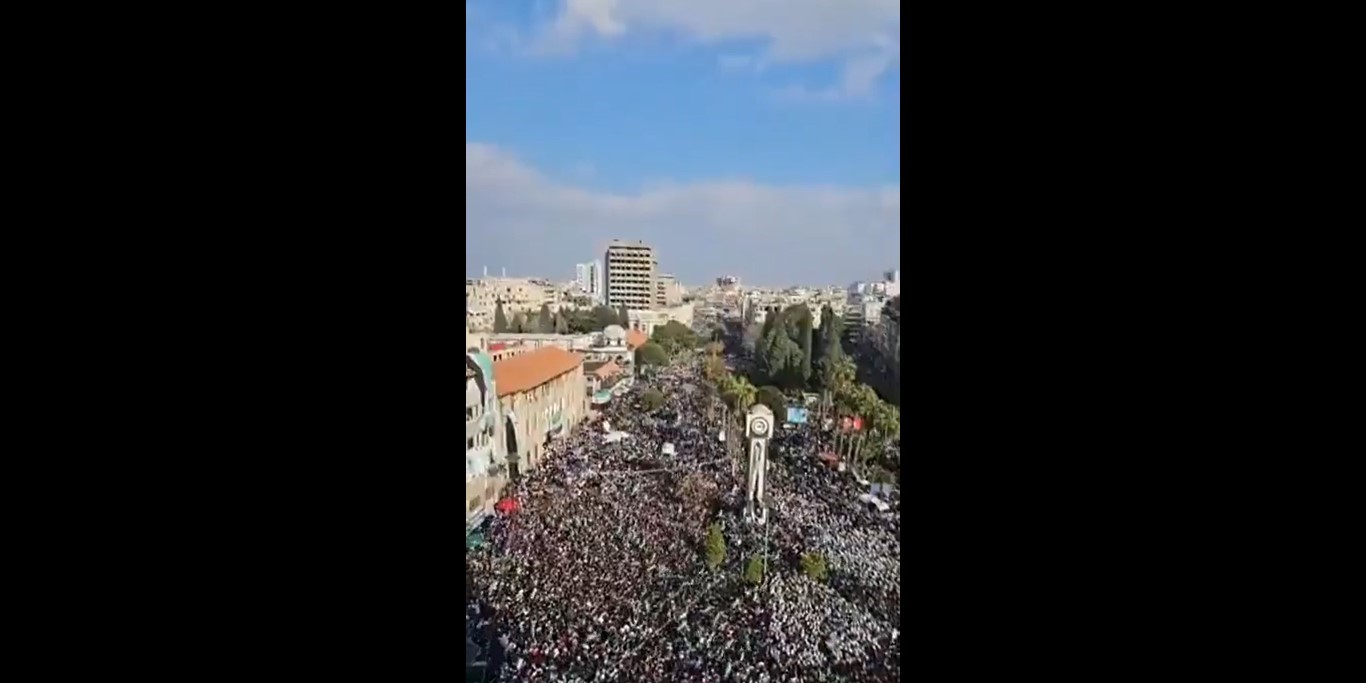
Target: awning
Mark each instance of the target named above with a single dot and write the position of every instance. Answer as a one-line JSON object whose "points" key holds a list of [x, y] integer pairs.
{"points": [[507, 505]]}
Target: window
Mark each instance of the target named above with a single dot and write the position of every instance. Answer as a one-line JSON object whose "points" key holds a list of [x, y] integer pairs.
{"points": [[469, 444], [475, 503]]}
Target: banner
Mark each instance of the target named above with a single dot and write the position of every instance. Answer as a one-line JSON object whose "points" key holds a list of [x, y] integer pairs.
{"points": [[796, 415]]}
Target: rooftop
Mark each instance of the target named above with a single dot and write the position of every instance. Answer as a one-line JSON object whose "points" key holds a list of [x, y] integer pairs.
{"points": [[602, 369], [530, 370], [636, 339]]}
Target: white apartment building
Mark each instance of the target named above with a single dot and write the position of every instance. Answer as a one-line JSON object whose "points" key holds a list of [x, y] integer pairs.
{"points": [[631, 269], [589, 278], [861, 312]]}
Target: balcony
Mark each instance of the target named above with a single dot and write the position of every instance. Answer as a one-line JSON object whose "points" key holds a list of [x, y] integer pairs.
{"points": [[474, 426]]}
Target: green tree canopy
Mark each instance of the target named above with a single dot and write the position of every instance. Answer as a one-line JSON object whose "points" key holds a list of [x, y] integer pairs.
{"points": [[675, 337], [779, 359], [773, 398], [738, 393], [518, 324], [545, 323], [771, 321], [624, 317], [652, 398], [716, 546], [651, 353], [813, 565], [754, 570], [604, 316], [561, 324], [500, 319]]}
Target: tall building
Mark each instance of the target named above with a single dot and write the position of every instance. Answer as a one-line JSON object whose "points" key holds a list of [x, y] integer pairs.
{"points": [[892, 282], [588, 277], [631, 270], [667, 291]]}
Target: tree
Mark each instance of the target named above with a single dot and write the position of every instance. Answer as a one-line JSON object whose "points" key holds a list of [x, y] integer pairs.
{"points": [[500, 319], [813, 565], [624, 317], [752, 336], [860, 400], [832, 328], [518, 324], [739, 393], [771, 321], [837, 373], [804, 340], [714, 348], [651, 353], [774, 399], [754, 571], [819, 346], [675, 337], [653, 399], [545, 324], [561, 324], [602, 317], [713, 368], [779, 359], [716, 546]]}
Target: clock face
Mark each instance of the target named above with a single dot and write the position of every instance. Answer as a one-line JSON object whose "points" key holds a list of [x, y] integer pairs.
{"points": [[760, 426]]}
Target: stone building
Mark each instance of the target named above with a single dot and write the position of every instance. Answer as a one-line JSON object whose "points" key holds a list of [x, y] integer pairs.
{"points": [[485, 454], [542, 395]]}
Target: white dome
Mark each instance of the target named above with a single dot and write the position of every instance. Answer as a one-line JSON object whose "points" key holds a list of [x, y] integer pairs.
{"points": [[614, 332]]}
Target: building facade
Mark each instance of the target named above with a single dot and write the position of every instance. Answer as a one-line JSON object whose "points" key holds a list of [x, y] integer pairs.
{"points": [[647, 320], [631, 269], [542, 395], [518, 295], [589, 279], [485, 452], [667, 291]]}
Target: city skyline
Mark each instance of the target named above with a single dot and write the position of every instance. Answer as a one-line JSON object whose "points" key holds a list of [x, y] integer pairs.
{"points": [[763, 146]]}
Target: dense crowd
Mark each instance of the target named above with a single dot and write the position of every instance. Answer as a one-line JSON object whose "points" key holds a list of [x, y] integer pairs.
{"points": [[600, 574]]}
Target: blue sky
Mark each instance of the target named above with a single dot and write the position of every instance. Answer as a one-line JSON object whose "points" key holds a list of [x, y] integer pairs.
{"points": [[759, 138]]}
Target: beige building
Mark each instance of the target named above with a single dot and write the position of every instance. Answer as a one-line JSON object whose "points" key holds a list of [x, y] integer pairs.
{"points": [[542, 395], [647, 321], [519, 295], [667, 291], [631, 269]]}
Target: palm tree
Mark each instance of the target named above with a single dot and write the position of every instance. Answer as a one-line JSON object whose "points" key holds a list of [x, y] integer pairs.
{"points": [[741, 394], [864, 403], [882, 424], [839, 382], [713, 368]]}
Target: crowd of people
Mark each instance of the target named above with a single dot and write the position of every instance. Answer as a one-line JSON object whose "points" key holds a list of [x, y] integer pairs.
{"points": [[600, 574]]}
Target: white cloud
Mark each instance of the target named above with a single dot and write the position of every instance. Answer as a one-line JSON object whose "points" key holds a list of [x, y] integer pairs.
{"points": [[864, 34], [516, 217]]}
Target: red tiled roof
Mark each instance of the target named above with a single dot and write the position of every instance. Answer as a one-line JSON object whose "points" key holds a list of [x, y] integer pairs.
{"points": [[636, 339], [532, 369], [607, 369]]}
